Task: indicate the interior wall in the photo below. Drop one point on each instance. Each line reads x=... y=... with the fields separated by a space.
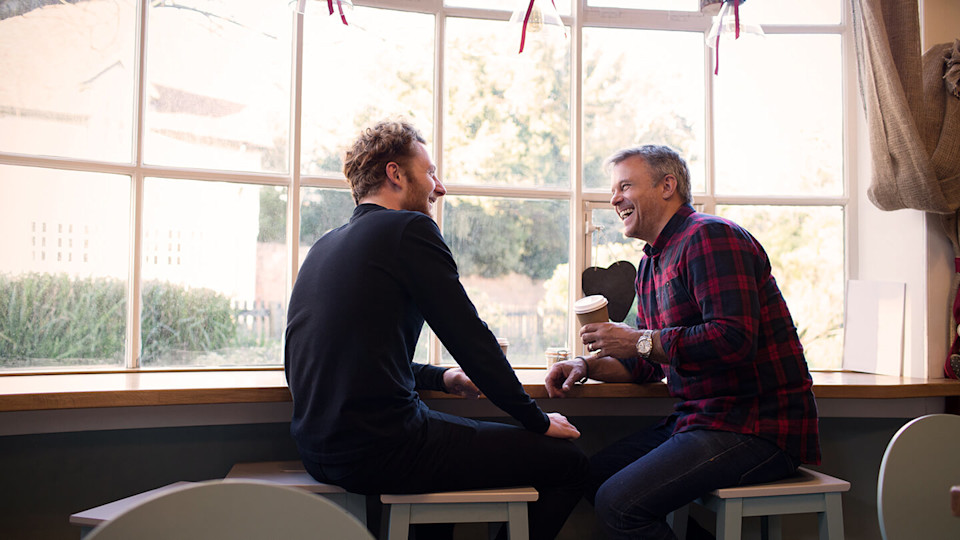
x=940 y=23
x=47 y=477
x=910 y=246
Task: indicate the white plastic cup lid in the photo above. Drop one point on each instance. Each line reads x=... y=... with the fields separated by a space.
x=590 y=303
x=503 y=341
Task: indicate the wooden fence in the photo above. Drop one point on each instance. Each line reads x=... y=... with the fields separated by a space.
x=260 y=321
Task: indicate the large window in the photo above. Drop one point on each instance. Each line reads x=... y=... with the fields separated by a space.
x=165 y=166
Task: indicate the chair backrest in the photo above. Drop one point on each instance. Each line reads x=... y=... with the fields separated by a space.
x=236 y=510
x=918 y=469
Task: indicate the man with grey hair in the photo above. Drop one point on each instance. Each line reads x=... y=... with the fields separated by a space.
x=712 y=320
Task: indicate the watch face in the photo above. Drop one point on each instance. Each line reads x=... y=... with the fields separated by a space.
x=645 y=344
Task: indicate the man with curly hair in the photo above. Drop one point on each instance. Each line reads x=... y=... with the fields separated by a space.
x=356 y=312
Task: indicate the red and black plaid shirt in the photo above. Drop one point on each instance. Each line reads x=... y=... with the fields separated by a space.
x=736 y=361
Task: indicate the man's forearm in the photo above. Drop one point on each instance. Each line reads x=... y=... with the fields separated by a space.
x=606 y=369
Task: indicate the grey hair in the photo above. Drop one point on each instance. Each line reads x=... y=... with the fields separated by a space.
x=662 y=160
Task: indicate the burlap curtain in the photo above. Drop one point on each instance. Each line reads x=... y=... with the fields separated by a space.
x=912 y=108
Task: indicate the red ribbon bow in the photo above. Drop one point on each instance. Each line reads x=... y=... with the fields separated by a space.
x=736 y=20
x=526 y=19
x=340 y=7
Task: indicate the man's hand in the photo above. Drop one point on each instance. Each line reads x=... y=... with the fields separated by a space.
x=455 y=381
x=562 y=376
x=610 y=339
x=561 y=428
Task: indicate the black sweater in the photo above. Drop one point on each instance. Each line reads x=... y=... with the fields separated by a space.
x=354 y=318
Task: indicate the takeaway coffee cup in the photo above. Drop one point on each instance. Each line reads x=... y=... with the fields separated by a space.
x=591 y=309
x=503 y=344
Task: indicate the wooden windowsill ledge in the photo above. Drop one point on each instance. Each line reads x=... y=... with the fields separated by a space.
x=29 y=392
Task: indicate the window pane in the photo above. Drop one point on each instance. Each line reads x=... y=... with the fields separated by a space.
x=357 y=74
x=63 y=274
x=563 y=6
x=607 y=242
x=213 y=292
x=789 y=12
x=805 y=246
x=507 y=115
x=608 y=245
x=513 y=257
x=671 y=5
x=67 y=83
x=322 y=210
x=779 y=130
x=623 y=105
x=218 y=84
x=421 y=353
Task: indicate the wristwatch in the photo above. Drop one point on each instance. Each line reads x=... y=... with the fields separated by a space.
x=645 y=344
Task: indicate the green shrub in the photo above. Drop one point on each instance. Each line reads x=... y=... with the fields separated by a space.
x=50 y=316
x=177 y=319
x=57 y=320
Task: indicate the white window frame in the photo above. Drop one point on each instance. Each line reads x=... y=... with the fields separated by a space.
x=581 y=200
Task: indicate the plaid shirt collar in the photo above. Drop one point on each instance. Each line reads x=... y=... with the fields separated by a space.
x=669 y=230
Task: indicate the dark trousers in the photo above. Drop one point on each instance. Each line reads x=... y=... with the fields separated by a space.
x=451 y=453
x=637 y=481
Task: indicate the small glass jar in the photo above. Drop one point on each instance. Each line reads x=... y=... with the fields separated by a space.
x=556 y=354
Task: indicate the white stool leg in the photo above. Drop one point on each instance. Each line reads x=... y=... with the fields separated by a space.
x=677 y=520
x=356 y=504
x=518 y=527
x=729 y=519
x=831 y=521
x=398 y=522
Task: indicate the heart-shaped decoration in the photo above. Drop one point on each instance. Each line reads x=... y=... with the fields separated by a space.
x=616 y=283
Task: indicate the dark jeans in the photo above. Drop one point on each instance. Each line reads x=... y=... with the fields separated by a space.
x=637 y=481
x=452 y=453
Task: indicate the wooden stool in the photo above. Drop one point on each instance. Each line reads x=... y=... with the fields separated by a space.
x=479 y=506
x=292 y=474
x=807 y=492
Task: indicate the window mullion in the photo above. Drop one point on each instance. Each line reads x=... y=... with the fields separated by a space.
x=641 y=19
x=434 y=349
x=423 y=6
x=710 y=164
x=293 y=196
x=579 y=213
x=134 y=288
x=851 y=106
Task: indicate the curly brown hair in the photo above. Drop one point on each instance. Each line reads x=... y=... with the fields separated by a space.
x=366 y=160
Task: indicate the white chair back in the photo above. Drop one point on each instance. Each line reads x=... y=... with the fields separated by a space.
x=918 y=469
x=235 y=510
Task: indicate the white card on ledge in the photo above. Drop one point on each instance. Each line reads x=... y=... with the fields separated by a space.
x=873 y=327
